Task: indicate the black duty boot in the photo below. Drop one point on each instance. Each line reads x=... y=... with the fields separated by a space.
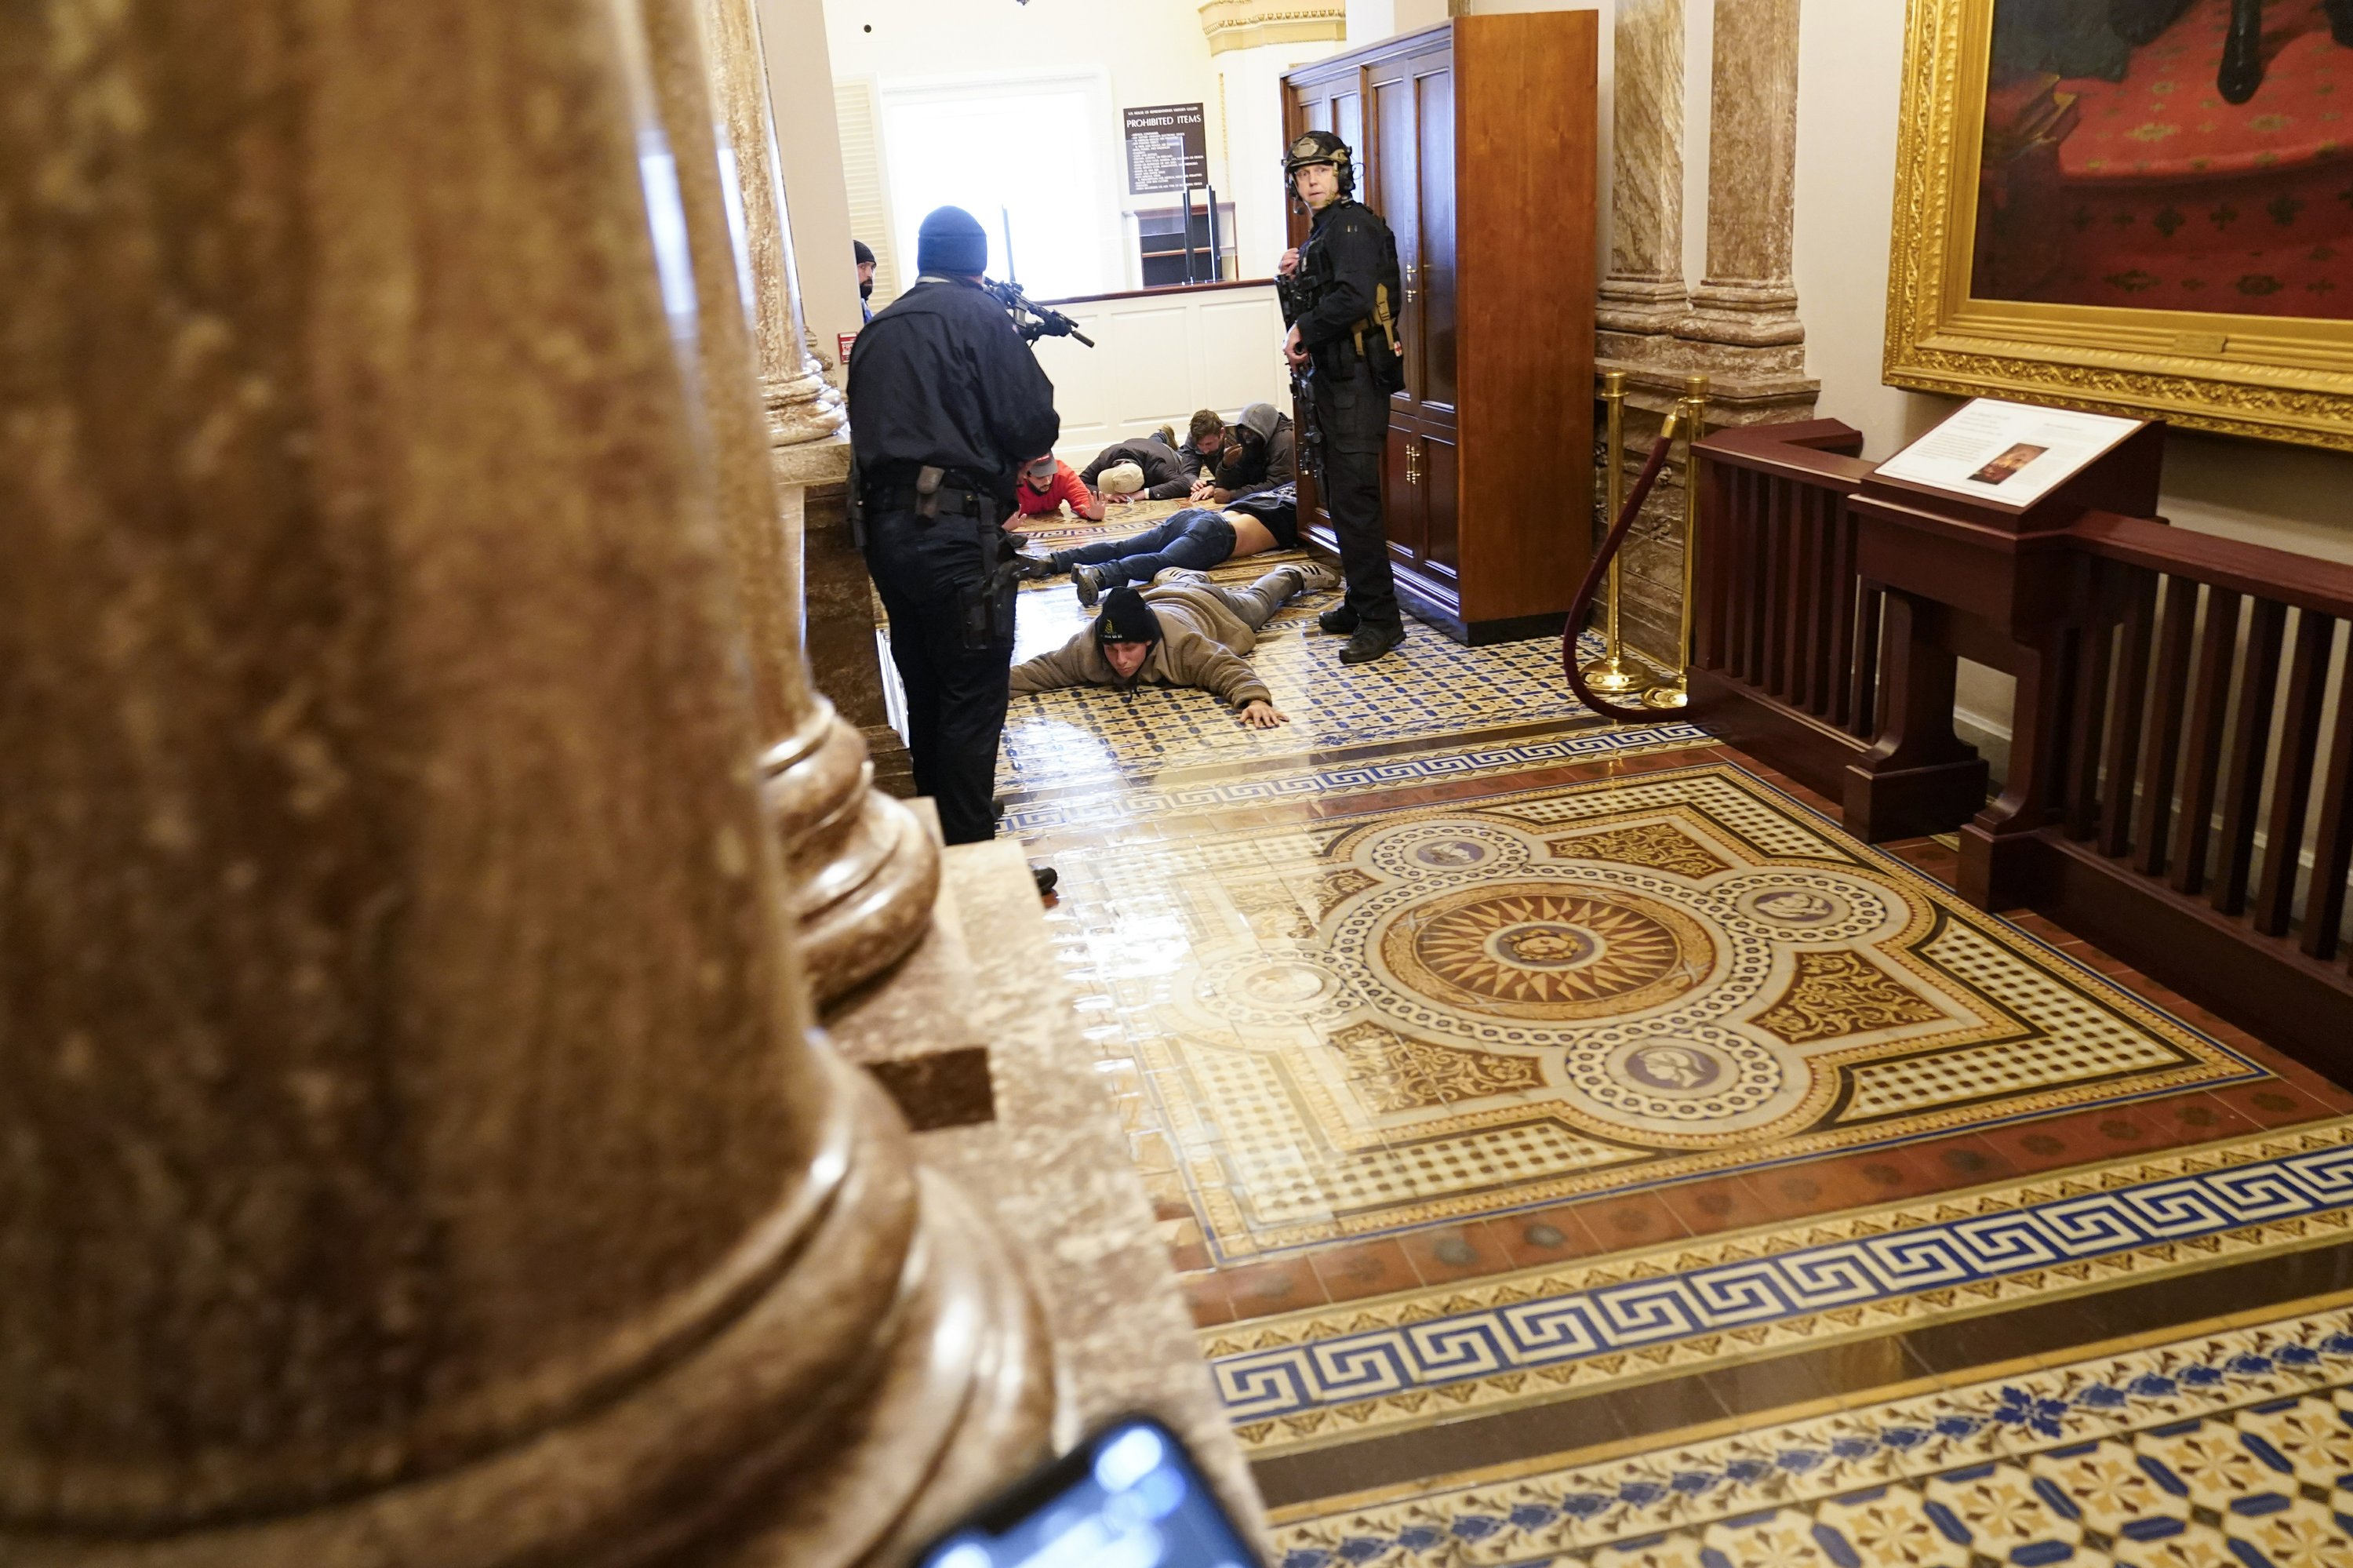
x=1339 y=621
x=1045 y=876
x=1370 y=642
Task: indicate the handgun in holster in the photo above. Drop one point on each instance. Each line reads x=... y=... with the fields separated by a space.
x=986 y=607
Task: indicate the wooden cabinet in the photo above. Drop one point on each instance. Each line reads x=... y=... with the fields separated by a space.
x=1475 y=140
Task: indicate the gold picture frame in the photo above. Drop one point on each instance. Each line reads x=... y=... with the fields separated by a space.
x=2279 y=378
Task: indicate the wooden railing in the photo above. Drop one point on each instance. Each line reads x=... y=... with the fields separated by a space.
x=2180 y=788
x=2197 y=800
x=1784 y=621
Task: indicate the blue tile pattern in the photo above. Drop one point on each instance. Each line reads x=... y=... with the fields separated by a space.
x=1678 y=1305
x=2232 y=1448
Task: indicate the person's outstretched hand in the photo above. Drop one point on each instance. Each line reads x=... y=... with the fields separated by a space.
x=1264 y=716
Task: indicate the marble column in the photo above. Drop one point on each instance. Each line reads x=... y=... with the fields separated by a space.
x=415 y=1148
x=1642 y=298
x=1748 y=301
x=863 y=873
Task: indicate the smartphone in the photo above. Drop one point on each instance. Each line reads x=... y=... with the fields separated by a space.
x=1128 y=1497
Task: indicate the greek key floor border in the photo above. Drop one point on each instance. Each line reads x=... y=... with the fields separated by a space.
x=1303 y=778
x=1339 y=1375
x=2200 y=1436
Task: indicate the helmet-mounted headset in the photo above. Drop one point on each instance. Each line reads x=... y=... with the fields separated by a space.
x=1320 y=147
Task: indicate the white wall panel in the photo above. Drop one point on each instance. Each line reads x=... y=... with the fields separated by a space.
x=1158 y=359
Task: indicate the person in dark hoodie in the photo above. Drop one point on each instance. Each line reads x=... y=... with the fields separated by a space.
x=1184 y=630
x=1194 y=539
x=1262 y=456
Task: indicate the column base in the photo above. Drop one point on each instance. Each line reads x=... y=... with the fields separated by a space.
x=860 y=874
x=1761 y=318
x=889 y=1372
x=1637 y=308
x=808 y=407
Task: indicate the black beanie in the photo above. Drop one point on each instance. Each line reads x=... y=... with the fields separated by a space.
x=952 y=241
x=865 y=257
x=1126 y=618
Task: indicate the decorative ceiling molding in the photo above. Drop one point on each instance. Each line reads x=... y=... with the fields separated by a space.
x=1253 y=24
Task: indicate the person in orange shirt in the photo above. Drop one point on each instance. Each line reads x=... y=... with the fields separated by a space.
x=1046 y=482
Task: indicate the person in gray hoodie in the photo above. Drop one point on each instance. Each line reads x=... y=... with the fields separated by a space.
x=1184 y=631
x=1262 y=456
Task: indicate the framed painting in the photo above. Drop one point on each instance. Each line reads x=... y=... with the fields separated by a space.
x=2141 y=206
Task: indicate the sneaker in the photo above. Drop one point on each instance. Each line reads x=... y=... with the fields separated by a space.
x=1030 y=568
x=1045 y=876
x=1088 y=581
x=1314 y=576
x=1339 y=621
x=1370 y=642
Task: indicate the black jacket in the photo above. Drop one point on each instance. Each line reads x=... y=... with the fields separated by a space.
x=1349 y=252
x=1277 y=506
x=1164 y=475
x=941 y=378
x=1264 y=465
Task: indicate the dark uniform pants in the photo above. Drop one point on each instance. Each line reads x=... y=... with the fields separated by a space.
x=956 y=695
x=1354 y=415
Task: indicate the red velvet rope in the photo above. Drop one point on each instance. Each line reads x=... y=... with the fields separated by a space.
x=1582 y=604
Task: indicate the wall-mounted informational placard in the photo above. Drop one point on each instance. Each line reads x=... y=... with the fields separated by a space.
x=1167 y=148
x=2014 y=453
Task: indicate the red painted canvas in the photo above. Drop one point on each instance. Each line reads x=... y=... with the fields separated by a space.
x=2170 y=154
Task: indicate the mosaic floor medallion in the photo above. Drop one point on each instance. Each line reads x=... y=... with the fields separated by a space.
x=1408 y=1017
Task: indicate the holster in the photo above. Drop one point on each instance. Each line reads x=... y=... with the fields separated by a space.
x=985 y=609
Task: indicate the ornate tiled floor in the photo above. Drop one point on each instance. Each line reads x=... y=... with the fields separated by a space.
x=1577 y=1149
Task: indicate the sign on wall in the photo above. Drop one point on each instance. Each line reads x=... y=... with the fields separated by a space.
x=1167 y=148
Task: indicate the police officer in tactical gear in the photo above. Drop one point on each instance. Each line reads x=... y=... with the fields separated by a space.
x=1349 y=270
x=945 y=403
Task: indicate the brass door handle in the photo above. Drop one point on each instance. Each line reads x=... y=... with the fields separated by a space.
x=1413 y=462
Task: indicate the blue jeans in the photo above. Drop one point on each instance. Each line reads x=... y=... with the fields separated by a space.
x=1195 y=539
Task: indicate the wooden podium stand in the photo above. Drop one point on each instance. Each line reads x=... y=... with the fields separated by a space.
x=1979 y=579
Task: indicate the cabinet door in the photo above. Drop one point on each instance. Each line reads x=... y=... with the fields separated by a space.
x=1402 y=499
x=1438 y=480
x=1394 y=193
x=1429 y=277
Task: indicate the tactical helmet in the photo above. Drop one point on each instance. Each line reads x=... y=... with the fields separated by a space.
x=1321 y=147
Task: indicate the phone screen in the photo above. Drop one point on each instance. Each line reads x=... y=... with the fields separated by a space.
x=1130 y=1497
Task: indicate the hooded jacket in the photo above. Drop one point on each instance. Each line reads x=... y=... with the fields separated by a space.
x=1200 y=644
x=1272 y=460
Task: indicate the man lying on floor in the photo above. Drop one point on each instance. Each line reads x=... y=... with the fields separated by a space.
x=1184 y=630
x=1193 y=540
x=1261 y=456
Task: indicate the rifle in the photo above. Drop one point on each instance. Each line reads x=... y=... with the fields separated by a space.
x=1032 y=319
x=1297 y=295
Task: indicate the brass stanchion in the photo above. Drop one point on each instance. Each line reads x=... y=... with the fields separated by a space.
x=1609 y=672
x=1693 y=408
